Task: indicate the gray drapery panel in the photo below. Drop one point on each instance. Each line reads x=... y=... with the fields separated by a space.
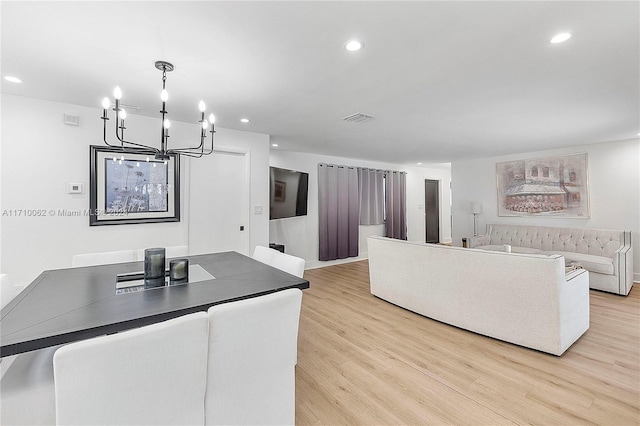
x=396 y=205
x=370 y=186
x=338 y=209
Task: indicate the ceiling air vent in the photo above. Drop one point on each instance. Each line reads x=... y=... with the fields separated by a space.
x=131 y=108
x=358 y=118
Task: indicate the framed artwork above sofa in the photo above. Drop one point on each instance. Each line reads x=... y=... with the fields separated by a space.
x=550 y=187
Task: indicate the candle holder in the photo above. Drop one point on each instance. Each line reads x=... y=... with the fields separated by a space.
x=154 y=267
x=178 y=271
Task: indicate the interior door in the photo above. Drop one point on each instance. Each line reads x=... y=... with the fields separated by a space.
x=218 y=203
x=432 y=211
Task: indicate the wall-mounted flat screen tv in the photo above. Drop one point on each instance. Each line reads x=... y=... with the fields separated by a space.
x=288 y=193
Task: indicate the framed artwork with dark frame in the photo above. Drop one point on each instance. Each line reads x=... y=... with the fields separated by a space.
x=128 y=187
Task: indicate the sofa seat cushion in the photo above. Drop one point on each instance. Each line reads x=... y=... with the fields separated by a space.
x=514 y=249
x=599 y=264
x=592 y=263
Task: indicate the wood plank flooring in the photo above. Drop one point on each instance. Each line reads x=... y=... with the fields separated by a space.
x=364 y=361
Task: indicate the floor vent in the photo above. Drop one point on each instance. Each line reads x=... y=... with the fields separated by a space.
x=358 y=118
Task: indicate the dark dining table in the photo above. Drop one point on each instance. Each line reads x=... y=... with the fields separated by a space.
x=67 y=305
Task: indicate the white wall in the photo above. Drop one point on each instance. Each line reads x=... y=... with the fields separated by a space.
x=40 y=155
x=300 y=234
x=614 y=189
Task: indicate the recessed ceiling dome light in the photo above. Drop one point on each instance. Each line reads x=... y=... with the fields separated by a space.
x=559 y=38
x=275 y=145
x=13 y=79
x=354 y=45
x=244 y=120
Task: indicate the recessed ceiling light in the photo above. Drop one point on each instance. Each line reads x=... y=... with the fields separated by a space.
x=559 y=38
x=275 y=145
x=419 y=164
x=244 y=120
x=12 y=79
x=354 y=45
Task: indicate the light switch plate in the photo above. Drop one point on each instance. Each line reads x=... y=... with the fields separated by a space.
x=75 y=188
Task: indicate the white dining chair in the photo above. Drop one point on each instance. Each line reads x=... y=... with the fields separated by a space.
x=171 y=251
x=7 y=290
x=103 y=258
x=26 y=380
x=151 y=375
x=253 y=347
x=27 y=394
x=285 y=262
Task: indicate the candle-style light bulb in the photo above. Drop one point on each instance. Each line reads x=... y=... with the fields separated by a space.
x=202 y=106
x=122 y=114
x=166 y=123
x=117 y=93
x=205 y=124
x=212 y=118
x=164 y=95
x=106 y=103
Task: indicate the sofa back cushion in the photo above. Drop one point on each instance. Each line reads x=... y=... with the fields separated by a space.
x=596 y=242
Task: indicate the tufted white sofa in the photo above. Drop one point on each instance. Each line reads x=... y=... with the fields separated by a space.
x=606 y=254
x=526 y=299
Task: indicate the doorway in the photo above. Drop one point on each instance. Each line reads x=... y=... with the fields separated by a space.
x=219 y=204
x=432 y=210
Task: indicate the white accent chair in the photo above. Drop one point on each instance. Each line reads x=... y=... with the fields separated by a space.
x=104 y=258
x=7 y=290
x=252 y=356
x=150 y=375
x=285 y=262
x=170 y=252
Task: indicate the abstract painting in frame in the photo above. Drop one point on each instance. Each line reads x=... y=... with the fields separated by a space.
x=547 y=187
x=132 y=187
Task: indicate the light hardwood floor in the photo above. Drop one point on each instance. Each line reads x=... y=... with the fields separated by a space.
x=364 y=361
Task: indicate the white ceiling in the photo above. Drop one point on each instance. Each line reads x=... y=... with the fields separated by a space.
x=444 y=81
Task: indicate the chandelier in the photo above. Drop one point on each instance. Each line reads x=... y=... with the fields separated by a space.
x=164 y=152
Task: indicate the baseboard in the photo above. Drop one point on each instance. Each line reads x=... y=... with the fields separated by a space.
x=322 y=263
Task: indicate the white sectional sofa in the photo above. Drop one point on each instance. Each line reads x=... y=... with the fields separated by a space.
x=606 y=254
x=526 y=299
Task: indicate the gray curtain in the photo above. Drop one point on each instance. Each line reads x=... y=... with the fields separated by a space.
x=370 y=185
x=396 y=205
x=338 y=208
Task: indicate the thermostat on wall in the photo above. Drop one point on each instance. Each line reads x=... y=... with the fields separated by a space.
x=75 y=188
